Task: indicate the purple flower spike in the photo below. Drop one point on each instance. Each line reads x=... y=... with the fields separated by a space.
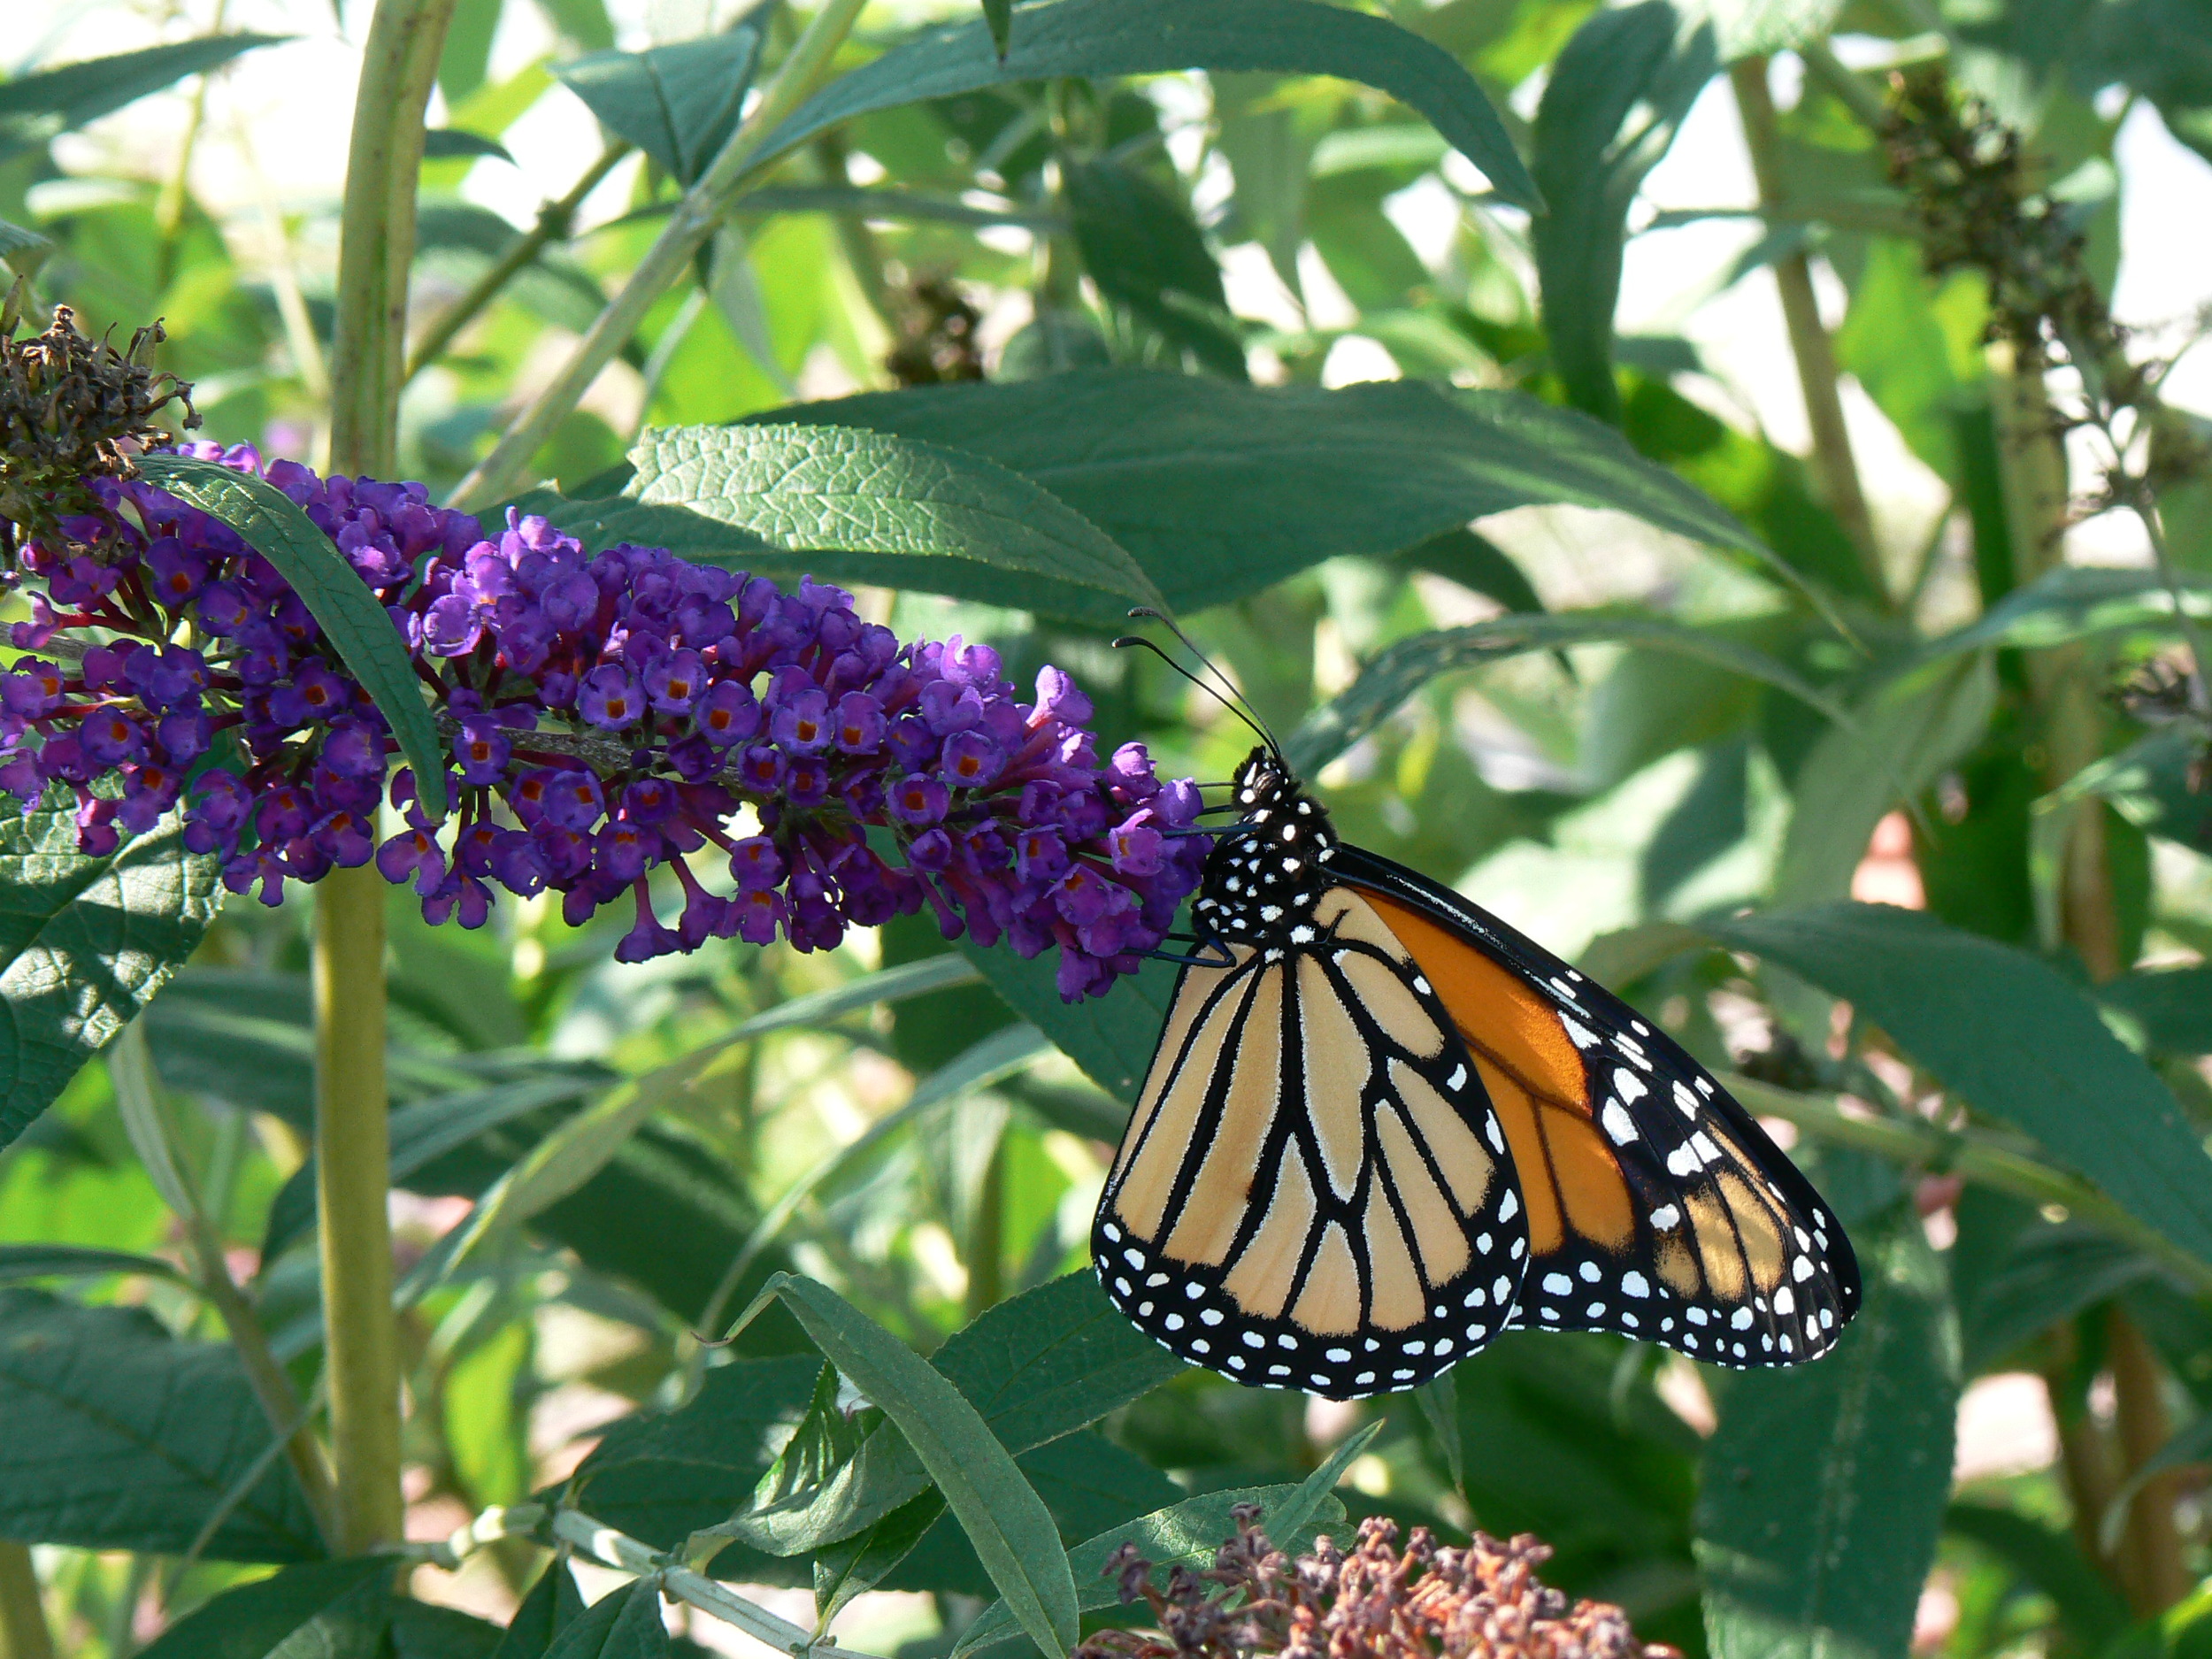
x=625 y=709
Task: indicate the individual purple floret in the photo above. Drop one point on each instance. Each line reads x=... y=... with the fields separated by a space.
x=604 y=716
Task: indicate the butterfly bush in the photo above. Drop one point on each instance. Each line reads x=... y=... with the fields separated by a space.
x=609 y=715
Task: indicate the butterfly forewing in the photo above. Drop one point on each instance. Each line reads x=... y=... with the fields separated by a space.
x=1655 y=1205
x=1313 y=1191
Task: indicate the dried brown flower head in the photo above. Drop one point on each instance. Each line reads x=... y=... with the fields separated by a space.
x=1484 y=1602
x=73 y=408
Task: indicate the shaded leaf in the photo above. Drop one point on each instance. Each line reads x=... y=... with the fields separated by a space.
x=1110 y=1037
x=553 y=1604
x=2173 y=1005
x=1610 y=110
x=257 y=1620
x=623 y=1625
x=2090 y=1610
x=348 y=612
x=1144 y=250
x=2006 y=1034
x=446 y=143
x=2050 y=1274
x=119 y=1438
x=24 y=250
x=19 y=1262
x=1823 y=1486
x=1098 y=38
x=679 y=103
x=85 y=943
x=1476 y=563
x=803 y=488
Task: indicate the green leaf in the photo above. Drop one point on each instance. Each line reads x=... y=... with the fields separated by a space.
x=1823 y=1487
x=1918 y=725
x=333 y=592
x=34 y=107
x=119 y=1438
x=553 y=1604
x=1189 y=1534
x=259 y=1620
x=663 y=1476
x=1220 y=489
x=1477 y=563
x=24 y=250
x=2148 y=784
x=1110 y=1037
x=679 y=103
x=803 y=488
x=1750 y=28
x=1403 y=667
x=1003 y=1517
x=1616 y=96
x=623 y=1625
x=998 y=15
x=85 y=943
x=423 y=1631
x=2173 y=1006
x=1038 y=1366
x=445 y=143
x=2049 y=1274
x=20 y=1262
x=1100 y=38
x=1144 y=250
x=2002 y=1031
x=2079 y=602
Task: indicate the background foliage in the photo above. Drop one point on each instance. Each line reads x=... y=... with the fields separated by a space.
x=1544 y=612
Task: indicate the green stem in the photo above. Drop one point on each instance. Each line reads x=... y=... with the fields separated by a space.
x=23 y=1631
x=376 y=251
x=1819 y=379
x=555 y=219
x=703 y=207
x=1974 y=1157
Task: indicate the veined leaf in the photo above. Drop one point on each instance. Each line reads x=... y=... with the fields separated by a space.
x=85 y=943
x=2075 y=601
x=1003 y=1517
x=2006 y=1034
x=1400 y=670
x=804 y=487
x=679 y=103
x=2173 y=1006
x=1823 y=1486
x=1098 y=38
x=119 y=1438
x=1221 y=490
x=330 y=587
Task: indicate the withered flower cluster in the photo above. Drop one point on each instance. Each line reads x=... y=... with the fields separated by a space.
x=1376 y=1602
x=72 y=410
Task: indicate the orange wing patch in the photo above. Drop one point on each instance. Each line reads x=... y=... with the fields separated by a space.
x=1570 y=1179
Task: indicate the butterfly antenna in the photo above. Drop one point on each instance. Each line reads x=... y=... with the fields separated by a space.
x=1228 y=695
x=1137 y=639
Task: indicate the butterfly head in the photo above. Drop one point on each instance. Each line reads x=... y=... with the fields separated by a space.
x=1266 y=873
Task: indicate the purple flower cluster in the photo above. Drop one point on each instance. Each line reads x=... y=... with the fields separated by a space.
x=609 y=716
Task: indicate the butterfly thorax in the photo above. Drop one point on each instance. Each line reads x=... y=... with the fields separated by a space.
x=1264 y=875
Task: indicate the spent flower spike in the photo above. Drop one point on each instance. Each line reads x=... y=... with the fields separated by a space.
x=609 y=716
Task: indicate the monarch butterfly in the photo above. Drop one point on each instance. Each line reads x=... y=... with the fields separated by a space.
x=1381 y=1127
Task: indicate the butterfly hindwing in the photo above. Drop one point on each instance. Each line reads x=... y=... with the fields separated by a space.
x=1656 y=1207
x=1313 y=1191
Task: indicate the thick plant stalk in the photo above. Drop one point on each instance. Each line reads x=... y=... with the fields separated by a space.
x=2153 y=1566
x=23 y=1631
x=1834 y=466
x=703 y=207
x=353 y=1138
